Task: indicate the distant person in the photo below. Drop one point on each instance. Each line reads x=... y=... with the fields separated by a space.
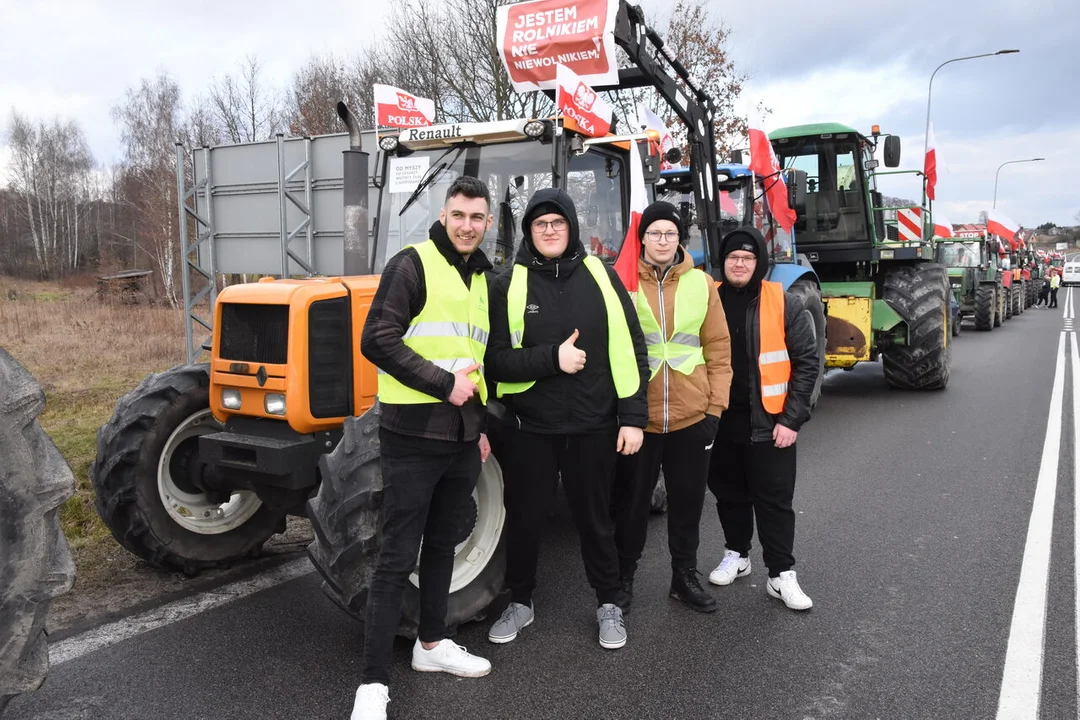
x=431 y=433
x=1044 y=293
x=776 y=363
x=690 y=364
x=569 y=358
x=1055 y=283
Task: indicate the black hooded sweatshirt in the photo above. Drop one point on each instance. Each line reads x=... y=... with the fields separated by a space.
x=741 y=308
x=562 y=296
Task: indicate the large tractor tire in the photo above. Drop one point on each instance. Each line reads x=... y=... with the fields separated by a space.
x=999 y=305
x=145 y=456
x=1008 y=302
x=809 y=293
x=984 y=307
x=1017 y=299
x=920 y=295
x=346 y=518
x=35 y=562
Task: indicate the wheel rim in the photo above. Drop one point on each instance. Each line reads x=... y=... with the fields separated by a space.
x=195 y=511
x=475 y=552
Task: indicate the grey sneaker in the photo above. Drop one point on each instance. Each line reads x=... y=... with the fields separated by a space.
x=612 y=629
x=514 y=619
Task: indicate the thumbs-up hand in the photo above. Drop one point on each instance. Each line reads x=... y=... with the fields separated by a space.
x=571 y=359
x=464 y=388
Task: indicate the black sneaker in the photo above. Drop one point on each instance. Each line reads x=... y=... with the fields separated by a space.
x=686 y=587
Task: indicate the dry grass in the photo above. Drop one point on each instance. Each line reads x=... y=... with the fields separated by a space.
x=85 y=355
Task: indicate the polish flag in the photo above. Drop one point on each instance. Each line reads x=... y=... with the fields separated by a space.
x=396 y=108
x=942 y=227
x=1003 y=226
x=763 y=162
x=728 y=205
x=626 y=265
x=930 y=163
x=651 y=121
x=580 y=102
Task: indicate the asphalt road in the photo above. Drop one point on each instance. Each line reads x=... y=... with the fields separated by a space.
x=912 y=532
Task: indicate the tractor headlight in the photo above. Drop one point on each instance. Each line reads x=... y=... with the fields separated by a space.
x=274 y=404
x=388 y=143
x=230 y=398
x=536 y=128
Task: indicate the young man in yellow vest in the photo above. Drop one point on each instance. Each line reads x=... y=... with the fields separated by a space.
x=774 y=356
x=567 y=353
x=427 y=332
x=690 y=373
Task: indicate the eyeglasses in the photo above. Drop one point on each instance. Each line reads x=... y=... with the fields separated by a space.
x=667 y=237
x=558 y=225
x=740 y=259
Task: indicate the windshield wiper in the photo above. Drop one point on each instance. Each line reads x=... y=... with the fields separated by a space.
x=429 y=177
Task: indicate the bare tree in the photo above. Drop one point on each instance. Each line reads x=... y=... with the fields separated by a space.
x=311 y=101
x=243 y=107
x=149 y=120
x=51 y=167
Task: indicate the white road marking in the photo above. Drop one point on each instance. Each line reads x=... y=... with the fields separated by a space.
x=1021 y=682
x=106 y=635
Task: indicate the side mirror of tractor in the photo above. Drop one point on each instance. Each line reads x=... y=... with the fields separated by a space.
x=796 y=183
x=892 y=151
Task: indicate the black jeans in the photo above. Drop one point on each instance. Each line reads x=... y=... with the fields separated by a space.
x=426 y=485
x=1053 y=297
x=684 y=457
x=755 y=479
x=533 y=465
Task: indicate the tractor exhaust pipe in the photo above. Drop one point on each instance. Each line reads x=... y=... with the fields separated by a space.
x=355 y=191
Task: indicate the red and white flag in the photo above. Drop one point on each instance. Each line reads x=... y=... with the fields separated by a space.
x=651 y=121
x=580 y=102
x=1002 y=225
x=626 y=265
x=763 y=162
x=728 y=206
x=930 y=162
x=942 y=227
x=396 y=108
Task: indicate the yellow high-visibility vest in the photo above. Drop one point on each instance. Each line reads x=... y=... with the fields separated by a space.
x=681 y=352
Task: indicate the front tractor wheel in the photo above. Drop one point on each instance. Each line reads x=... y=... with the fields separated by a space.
x=346 y=518
x=985 y=302
x=144 y=478
x=921 y=296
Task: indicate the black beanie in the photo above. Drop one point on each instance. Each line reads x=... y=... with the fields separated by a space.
x=747 y=239
x=542 y=208
x=660 y=210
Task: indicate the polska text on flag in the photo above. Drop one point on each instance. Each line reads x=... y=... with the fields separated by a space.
x=581 y=103
x=396 y=108
x=763 y=162
x=626 y=265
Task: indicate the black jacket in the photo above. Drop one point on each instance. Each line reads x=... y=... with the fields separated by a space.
x=562 y=297
x=401 y=296
x=802 y=349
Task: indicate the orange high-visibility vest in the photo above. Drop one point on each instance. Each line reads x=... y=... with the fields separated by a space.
x=773 y=363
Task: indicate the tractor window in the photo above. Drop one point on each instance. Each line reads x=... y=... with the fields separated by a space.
x=835 y=197
x=595 y=182
x=959 y=254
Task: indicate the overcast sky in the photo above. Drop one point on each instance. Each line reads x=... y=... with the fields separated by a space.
x=839 y=60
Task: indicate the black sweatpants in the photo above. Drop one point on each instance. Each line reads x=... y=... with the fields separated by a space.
x=754 y=479
x=426 y=484
x=531 y=469
x=1053 y=297
x=684 y=457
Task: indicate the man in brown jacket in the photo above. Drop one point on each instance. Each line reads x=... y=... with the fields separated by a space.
x=690 y=375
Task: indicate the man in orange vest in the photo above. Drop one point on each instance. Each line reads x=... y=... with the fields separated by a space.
x=775 y=363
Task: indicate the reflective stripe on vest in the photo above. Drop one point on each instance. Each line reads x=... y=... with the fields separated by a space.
x=451 y=331
x=621 y=356
x=682 y=352
x=773 y=362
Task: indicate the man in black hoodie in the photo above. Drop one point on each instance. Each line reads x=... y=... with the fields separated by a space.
x=425 y=332
x=569 y=358
x=775 y=362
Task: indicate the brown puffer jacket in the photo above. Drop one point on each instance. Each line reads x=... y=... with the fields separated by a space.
x=676 y=400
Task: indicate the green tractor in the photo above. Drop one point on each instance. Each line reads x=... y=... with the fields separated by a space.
x=976 y=283
x=884 y=295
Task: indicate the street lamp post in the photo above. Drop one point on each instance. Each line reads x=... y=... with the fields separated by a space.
x=1008 y=162
x=926 y=142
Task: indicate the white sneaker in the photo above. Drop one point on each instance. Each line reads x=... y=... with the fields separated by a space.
x=448 y=657
x=786 y=588
x=732 y=566
x=370 y=704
